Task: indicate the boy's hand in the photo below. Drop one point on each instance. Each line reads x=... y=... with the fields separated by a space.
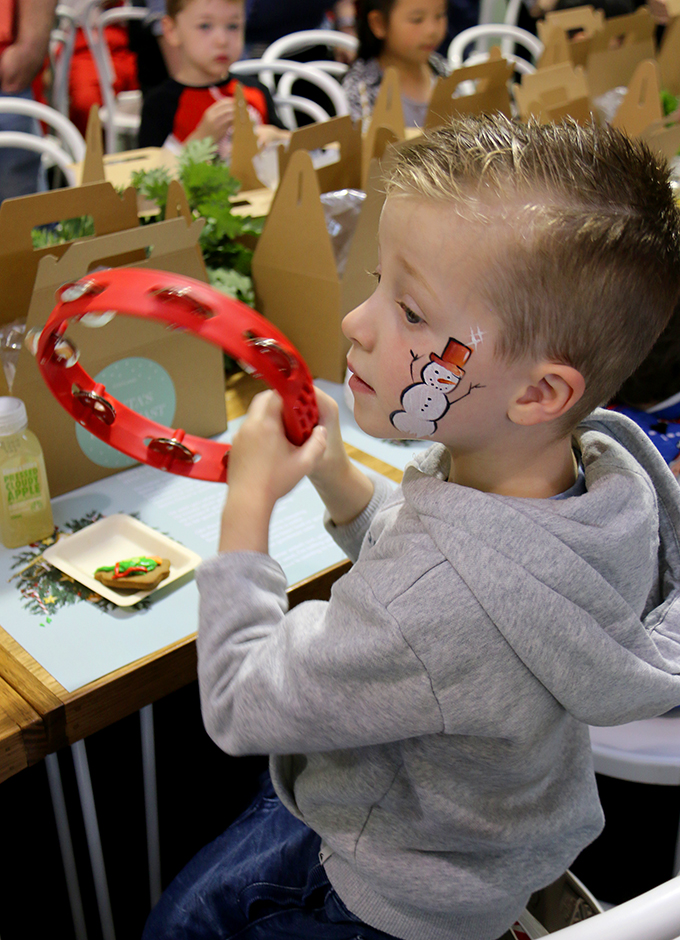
x=263 y=467
x=269 y=134
x=217 y=120
x=334 y=461
x=345 y=490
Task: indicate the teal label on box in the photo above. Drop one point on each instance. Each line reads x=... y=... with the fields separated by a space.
x=142 y=385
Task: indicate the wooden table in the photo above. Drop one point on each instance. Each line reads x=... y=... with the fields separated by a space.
x=22 y=733
x=41 y=716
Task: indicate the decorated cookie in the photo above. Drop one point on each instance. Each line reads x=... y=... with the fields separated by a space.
x=142 y=573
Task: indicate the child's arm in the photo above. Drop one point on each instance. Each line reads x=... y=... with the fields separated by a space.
x=343 y=487
x=263 y=467
x=270 y=134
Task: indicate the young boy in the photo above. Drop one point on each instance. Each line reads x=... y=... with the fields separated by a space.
x=198 y=101
x=428 y=726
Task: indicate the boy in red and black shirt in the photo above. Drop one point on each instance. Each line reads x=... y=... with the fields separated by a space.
x=199 y=101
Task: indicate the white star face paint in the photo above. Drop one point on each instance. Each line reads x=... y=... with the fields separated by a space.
x=476 y=337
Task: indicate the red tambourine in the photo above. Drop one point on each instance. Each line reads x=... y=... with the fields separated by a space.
x=196 y=308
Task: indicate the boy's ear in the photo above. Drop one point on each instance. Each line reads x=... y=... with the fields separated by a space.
x=553 y=389
x=376 y=24
x=169 y=31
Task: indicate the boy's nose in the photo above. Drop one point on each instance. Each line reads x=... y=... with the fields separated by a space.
x=356 y=325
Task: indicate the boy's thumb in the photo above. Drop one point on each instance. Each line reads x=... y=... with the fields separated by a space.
x=315 y=445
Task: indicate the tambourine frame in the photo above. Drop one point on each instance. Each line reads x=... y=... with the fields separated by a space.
x=180 y=303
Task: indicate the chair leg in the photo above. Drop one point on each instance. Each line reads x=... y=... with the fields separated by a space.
x=93 y=839
x=66 y=846
x=151 y=803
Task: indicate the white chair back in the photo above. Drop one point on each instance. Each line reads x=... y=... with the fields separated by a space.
x=42 y=145
x=69 y=138
x=508 y=34
x=308 y=39
x=266 y=69
x=654 y=915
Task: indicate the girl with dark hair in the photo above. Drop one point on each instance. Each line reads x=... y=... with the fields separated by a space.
x=404 y=34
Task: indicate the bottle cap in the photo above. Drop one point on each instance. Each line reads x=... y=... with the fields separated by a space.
x=13 y=416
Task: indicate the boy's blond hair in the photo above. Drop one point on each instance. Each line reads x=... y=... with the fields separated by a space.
x=173 y=7
x=588 y=269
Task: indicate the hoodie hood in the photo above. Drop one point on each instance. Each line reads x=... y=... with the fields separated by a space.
x=585 y=589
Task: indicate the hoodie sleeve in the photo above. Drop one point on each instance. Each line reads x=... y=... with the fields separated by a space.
x=325 y=675
x=350 y=537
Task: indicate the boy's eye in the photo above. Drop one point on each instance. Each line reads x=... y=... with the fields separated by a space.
x=411 y=315
x=376 y=275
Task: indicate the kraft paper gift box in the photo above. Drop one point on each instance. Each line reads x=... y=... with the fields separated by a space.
x=556 y=32
x=340 y=133
x=617 y=49
x=551 y=94
x=642 y=103
x=490 y=93
x=297 y=284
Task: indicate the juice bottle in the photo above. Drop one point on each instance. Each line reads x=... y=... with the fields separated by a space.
x=25 y=511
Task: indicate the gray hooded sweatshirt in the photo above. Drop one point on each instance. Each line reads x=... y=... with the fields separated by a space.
x=430 y=720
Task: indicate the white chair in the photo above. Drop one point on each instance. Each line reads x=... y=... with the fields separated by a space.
x=69 y=137
x=643 y=752
x=309 y=39
x=654 y=915
x=479 y=36
x=60 y=51
x=43 y=145
x=299 y=42
x=120 y=114
x=285 y=101
x=63 y=147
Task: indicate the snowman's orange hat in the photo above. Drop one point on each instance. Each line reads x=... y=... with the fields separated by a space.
x=454 y=357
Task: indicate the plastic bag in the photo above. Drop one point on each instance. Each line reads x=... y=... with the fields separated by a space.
x=341 y=209
x=11 y=340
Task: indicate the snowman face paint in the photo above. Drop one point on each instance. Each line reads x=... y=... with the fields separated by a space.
x=424 y=403
x=422 y=346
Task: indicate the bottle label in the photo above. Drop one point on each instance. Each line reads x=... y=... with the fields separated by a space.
x=22 y=490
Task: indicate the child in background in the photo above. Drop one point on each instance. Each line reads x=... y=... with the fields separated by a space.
x=428 y=726
x=198 y=101
x=403 y=34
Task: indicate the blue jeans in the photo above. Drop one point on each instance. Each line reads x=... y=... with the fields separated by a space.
x=259 y=880
x=21 y=170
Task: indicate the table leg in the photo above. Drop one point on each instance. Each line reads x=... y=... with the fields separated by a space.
x=66 y=845
x=93 y=839
x=151 y=803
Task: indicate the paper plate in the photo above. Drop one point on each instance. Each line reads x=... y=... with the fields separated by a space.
x=110 y=540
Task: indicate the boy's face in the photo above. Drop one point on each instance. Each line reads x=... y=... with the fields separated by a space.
x=414 y=29
x=423 y=344
x=209 y=35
